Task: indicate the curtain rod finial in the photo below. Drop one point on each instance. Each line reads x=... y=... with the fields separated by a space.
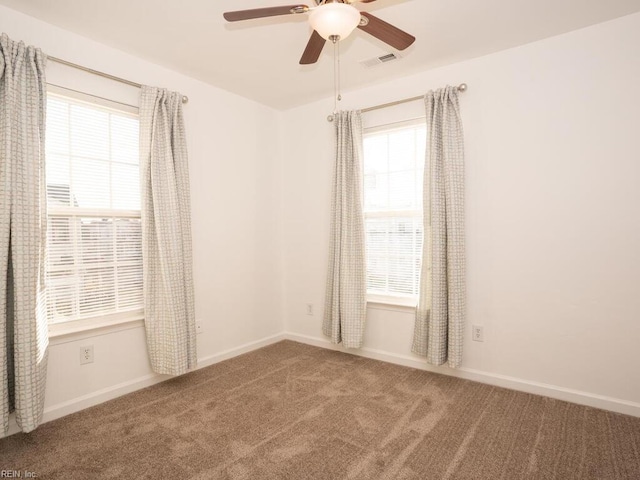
x=185 y=99
x=462 y=87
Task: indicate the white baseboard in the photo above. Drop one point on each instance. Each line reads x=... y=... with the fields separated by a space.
x=95 y=398
x=234 y=352
x=552 y=391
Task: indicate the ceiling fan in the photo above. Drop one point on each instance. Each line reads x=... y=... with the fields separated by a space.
x=331 y=20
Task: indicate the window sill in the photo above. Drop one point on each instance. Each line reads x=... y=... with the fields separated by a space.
x=78 y=330
x=396 y=304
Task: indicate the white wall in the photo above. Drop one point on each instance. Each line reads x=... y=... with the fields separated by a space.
x=553 y=211
x=553 y=216
x=234 y=160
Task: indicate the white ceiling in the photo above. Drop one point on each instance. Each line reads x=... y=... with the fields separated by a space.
x=258 y=59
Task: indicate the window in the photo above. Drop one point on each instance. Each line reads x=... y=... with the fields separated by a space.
x=393 y=185
x=94 y=258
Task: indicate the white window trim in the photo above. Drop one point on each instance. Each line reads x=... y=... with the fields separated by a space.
x=389 y=127
x=93 y=326
x=393 y=303
x=57 y=90
x=63 y=332
x=401 y=303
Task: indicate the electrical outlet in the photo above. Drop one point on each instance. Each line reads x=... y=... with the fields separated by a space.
x=86 y=354
x=310 y=309
x=477 y=333
x=199 y=327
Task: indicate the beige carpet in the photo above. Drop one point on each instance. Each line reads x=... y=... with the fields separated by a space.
x=291 y=411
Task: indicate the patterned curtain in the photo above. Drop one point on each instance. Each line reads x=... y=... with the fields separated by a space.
x=440 y=315
x=345 y=302
x=23 y=226
x=166 y=233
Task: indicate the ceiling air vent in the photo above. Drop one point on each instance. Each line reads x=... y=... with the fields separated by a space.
x=389 y=57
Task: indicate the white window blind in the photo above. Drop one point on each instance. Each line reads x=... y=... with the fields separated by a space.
x=393 y=185
x=94 y=256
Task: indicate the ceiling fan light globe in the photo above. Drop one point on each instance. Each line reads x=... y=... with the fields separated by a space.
x=334 y=19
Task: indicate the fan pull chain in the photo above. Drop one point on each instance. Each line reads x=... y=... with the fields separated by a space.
x=335 y=78
x=337 y=88
x=339 y=71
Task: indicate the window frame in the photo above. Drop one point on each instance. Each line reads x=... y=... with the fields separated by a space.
x=110 y=321
x=402 y=303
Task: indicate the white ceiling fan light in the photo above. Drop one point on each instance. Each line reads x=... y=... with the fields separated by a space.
x=333 y=20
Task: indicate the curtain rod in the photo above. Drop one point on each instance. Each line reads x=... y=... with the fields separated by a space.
x=461 y=88
x=185 y=99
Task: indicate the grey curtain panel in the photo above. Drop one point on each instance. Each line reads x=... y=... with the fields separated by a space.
x=440 y=316
x=166 y=233
x=23 y=226
x=345 y=301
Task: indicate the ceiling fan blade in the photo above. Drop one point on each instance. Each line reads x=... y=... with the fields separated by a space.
x=386 y=32
x=313 y=50
x=264 y=12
